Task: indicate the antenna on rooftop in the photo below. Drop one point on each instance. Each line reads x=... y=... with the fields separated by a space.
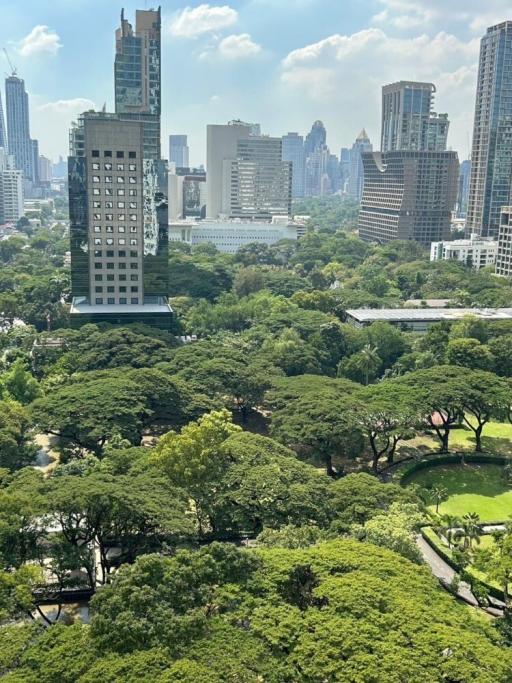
x=14 y=71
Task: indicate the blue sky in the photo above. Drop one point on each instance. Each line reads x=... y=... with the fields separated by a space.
x=283 y=63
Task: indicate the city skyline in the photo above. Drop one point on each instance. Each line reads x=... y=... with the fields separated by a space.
x=285 y=66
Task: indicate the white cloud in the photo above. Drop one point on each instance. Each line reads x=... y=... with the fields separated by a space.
x=51 y=121
x=475 y=14
x=194 y=21
x=238 y=47
x=345 y=73
x=41 y=40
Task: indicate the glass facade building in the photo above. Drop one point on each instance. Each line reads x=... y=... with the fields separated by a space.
x=18 y=126
x=491 y=157
x=294 y=152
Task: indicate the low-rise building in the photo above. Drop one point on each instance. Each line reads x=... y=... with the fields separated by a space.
x=420 y=319
x=476 y=252
x=229 y=236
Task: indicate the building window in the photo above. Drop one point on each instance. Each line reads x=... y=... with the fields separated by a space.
x=133 y=241
x=121 y=192
x=120 y=167
x=121 y=217
x=109 y=216
x=121 y=228
x=107 y=153
x=109 y=205
x=96 y=205
x=99 y=300
x=97 y=228
x=96 y=167
x=122 y=241
x=122 y=300
x=95 y=153
x=96 y=191
x=133 y=180
x=133 y=254
x=122 y=254
x=108 y=166
x=133 y=228
x=120 y=155
x=132 y=167
x=133 y=205
x=134 y=300
x=120 y=205
x=111 y=300
x=97 y=216
x=109 y=228
x=134 y=289
x=133 y=216
x=97 y=240
x=122 y=277
x=122 y=266
x=122 y=288
x=98 y=253
x=132 y=155
x=108 y=192
x=98 y=278
x=110 y=253
x=132 y=193
x=110 y=266
x=110 y=278
x=108 y=178
x=98 y=290
x=97 y=266
x=120 y=179
x=133 y=266
x=111 y=289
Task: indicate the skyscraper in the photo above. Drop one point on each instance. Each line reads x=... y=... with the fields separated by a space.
x=361 y=146
x=11 y=189
x=293 y=151
x=18 y=127
x=137 y=73
x=316 y=138
x=178 y=151
x=463 y=194
x=408 y=122
x=118 y=193
x=408 y=196
x=491 y=157
x=344 y=168
x=3 y=132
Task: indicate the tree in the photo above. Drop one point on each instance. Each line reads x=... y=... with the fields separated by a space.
x=194 y=460
x=362 y=366
x=469 y=353
x=501 y=350
x=396 y=529
x=248 y=281
x=486 y=396
x=438 y=494
x=19 y=383
x=16 y=447
x=469 y=530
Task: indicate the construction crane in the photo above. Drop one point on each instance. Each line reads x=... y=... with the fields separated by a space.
x=13 y=68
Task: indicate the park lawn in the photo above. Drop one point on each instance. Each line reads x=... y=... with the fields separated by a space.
x=470 y=488
x=497 y=438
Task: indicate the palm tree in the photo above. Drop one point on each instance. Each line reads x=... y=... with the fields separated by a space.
x=368 y=361
x=438 y=494
x=450 y=525
x=469 y=530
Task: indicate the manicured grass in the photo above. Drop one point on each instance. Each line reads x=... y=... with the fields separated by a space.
x=471 y=488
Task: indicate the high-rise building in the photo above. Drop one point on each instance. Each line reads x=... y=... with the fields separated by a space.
x=11 y=189
x=316 y=138
x=463 y=194
x=45 y=169
x=137 y=72
x=3 y=132
x=187 y=193
x=18 y=126
x=118 y=193
x=408 y=122
x=408 y=196
x=317 y=182
x=491 y=157
x=178 y=151
x=293 y=151
x=257 y=183
x=34 y=146
x=344 y=168
x=504 y=255
x=355 y=183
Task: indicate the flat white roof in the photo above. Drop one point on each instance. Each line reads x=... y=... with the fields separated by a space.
x=412 y=314
x=119 y=308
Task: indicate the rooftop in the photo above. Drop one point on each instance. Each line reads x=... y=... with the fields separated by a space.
x=406 y=314
x=82 y=307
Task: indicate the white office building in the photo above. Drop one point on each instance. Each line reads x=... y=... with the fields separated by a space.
x=228 y=236
x=11 y=190
x=476 y=252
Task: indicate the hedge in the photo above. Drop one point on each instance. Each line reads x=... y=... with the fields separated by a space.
x=453 y=459
x=430 y=536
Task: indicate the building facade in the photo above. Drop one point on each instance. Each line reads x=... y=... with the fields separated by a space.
x=491 y=156
x=476 y=252
x=408 y=196
x=229 y=236
x=18 y=126
x=178 y=151
x=137 y=74
x=355 y=181
x=463 y=193
x=187 y=194
x=294 y=152
x=408 y=122
x=504 y=255
x=3 y=132
x=11 y=190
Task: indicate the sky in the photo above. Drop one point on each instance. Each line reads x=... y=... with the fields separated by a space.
x=281 y=63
